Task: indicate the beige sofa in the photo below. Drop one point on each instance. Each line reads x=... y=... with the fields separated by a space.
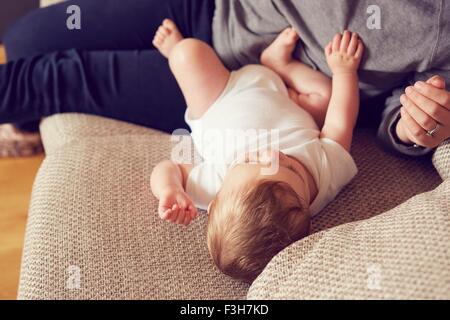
x=93 y=232
x=92 y=211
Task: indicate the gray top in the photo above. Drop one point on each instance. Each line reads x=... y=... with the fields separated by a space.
x=409 y=42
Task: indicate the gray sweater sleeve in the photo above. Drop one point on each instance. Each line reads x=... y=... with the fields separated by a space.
x=387 y=130
x=411 y=44
x=391 y=115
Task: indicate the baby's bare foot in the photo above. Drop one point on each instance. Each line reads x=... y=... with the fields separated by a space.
x=280 y=51
x=167 y=37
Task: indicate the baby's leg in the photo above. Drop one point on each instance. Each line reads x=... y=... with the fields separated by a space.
x=313 y=86
x=200 y=74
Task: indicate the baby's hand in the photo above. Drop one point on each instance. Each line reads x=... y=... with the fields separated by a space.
x=176 y=206
x=344 y=53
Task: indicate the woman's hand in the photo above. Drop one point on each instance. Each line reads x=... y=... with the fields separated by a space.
x=425 y=115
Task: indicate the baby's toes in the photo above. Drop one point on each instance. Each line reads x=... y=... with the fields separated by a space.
x=162 y=31
x=157 y=41
x=289 y=36
x=287 y=31
x=292 y=36
x=169 y=24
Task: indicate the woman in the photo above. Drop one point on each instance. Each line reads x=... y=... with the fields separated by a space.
x=116 y=72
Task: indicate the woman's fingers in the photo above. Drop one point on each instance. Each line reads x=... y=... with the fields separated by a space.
x=434 y=110
x=423 y=119
x=414 y=131
x=438 y=95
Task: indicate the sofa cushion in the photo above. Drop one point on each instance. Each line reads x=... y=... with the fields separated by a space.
x=92 y=209
x=93 y=231
x=400 y=254
x=441 y=160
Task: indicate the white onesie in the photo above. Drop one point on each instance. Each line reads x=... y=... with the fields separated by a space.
x=256 y=102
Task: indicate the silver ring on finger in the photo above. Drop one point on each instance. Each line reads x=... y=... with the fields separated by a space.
x=433 y=132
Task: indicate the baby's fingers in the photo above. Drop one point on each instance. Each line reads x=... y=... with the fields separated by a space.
x=187 y=218
x=353 y=46
x=346 y=38
x=329 y=49
x=181 y=216
x=337 y=42
x=164 y=214
x=193 y=211
x=173 y=216
x=360 y=51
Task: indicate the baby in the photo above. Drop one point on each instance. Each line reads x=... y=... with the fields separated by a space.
x=254 y=215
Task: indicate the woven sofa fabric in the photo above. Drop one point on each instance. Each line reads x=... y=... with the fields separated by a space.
x=92 y=211
x=93 y=231
x=62 y=129
x=441 y=160
x=401 y=254
x=384 y=181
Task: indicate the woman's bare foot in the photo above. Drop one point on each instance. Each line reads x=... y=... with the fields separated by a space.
x=280 y=51
x=16 y=143
x=167 y=37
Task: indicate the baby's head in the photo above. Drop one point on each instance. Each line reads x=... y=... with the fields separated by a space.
x=254 y=217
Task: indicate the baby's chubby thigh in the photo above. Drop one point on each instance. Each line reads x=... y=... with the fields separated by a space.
x=200 y=74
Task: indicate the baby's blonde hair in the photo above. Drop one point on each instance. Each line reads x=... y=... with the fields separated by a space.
x=247 y=228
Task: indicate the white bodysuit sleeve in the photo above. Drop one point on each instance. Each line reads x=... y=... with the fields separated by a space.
x=337 y=170
x=203 y=183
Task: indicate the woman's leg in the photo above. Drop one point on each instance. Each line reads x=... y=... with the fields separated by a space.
x=133 y=86
x=125 y=25
x=106 y=25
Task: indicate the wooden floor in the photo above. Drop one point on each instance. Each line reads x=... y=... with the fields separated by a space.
x=16 y=180
x=2 y=54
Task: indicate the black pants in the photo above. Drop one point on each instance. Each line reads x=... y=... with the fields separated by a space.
x=108 y=68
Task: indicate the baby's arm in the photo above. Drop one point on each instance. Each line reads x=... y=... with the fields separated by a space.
x=344 y=55
x=309 y=88
x=168 y=183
